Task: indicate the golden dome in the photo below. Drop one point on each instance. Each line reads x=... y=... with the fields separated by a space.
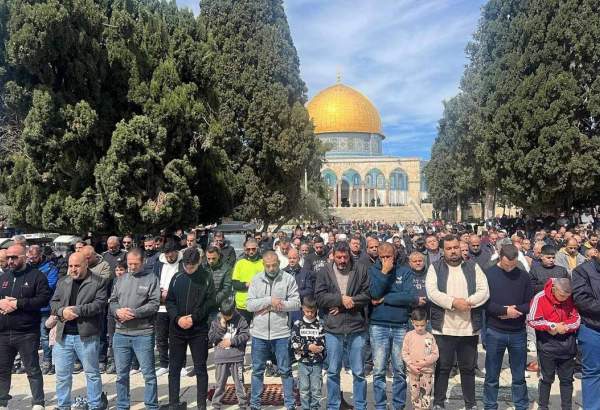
x=340 y=108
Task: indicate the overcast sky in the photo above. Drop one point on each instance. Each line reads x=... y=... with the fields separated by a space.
x=405 y=55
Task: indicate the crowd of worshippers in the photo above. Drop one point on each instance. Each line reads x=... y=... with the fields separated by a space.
x=409 y=305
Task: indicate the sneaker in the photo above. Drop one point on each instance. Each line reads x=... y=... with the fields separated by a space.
x=77 y=368
x=479 y=373
x=531 y=347
x=103 y=401
x=111 y=369
x=162 y=371
x=80 y=403
x=183 y=371
x=134 y=371
x=191 y=372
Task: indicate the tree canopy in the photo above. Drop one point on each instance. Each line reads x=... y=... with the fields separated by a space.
x=532 y=107
x=135 y=115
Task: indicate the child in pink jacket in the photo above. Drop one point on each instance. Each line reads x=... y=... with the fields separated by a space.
x=420 y=352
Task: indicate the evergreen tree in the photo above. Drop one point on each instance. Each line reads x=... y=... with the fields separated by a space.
x=264 y=128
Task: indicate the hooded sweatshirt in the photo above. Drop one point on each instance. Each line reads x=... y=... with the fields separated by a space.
x=165 y=272
x=236 y=330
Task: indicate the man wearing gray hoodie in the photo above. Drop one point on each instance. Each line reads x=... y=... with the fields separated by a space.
x=271 y=295
x=134 y=303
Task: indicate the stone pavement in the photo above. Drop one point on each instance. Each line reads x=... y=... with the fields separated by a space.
x=21 y=397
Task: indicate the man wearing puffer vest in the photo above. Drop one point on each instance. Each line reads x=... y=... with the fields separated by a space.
x=271 y=296
x=392 y=293
x=457 y=290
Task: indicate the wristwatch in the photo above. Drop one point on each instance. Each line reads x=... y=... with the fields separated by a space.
x=553 y=326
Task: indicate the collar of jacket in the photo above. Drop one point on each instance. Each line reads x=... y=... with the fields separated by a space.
x=69 y=278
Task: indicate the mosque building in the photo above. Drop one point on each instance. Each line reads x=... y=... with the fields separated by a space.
x=363 y=182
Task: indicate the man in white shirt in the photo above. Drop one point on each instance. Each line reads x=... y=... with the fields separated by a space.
x=457 y=290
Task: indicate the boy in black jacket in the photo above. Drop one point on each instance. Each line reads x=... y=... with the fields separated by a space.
x=229 y=333
x=190 y=299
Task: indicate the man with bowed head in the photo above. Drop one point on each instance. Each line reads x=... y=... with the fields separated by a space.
x=79 y=302
x=457 y=290
x=342 y=290
x=271 y=295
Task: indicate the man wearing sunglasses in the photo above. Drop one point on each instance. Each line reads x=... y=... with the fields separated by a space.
x=243 y=272
x=23 y=292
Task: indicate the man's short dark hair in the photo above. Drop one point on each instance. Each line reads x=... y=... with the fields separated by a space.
x=548 y=250
x=448 y=238
x=318 y=239
x=227 y=307
x=509 y=252
x=218 y=234
x=342 y=247
x=309 y=302
x=213 y=249
x=170 y=246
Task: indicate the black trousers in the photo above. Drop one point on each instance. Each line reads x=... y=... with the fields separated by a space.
x=27 y=345
x=464 y=349
x=162 y=338
x=549 y=367
x=178 y=345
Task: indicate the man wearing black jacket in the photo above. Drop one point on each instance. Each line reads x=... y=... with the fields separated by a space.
x=342 y=291
x=586 y=295
x=190 y=300
x=23 y=292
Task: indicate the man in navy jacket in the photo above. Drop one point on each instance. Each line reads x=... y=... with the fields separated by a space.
x=392 y=292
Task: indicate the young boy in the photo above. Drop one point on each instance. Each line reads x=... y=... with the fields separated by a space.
x=420 y=352
x=229 y=334
x=308 y=343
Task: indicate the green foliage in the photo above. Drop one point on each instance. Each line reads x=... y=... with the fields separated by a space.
x=134 y=115
x=532 y=82
x=263 y=126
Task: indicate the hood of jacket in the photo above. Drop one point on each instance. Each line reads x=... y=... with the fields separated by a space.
x=163 y=258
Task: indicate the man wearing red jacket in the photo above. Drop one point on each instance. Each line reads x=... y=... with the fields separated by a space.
x=555 y=319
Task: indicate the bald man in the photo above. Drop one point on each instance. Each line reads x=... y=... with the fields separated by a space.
x=96 y=263
x=23 y=292
x=569 y=256
x=272 y=294
x=79 y=301
x=304 y=280
x=114 y=255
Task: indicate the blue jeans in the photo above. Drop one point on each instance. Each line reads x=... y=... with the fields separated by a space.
x=386 y=342
x=497 y=343
x=335 y=353
x=44 y=341
x=589 y=340
x=65 y=353
x=310 y=383
x=262 y=351
x=125 y=347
